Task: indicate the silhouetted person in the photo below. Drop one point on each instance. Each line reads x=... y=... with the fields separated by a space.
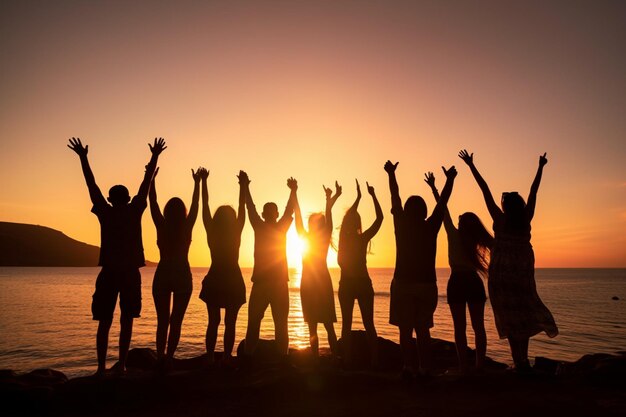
x=316 y=287
x=414 y=284
x=518 y=311
x=355 y=282
x=468 y=256
x=223 y=286
x=121 y=253
x=172 y=283
x=270 y=277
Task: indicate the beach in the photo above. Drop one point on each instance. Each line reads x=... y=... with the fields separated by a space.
x=594 y=385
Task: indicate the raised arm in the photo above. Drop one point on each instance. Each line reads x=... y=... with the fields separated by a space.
x=492 y=207
x=330 y=202
x=293 y=186
x=355 y=205
x=193 y=209
x=94 y=191
x=373 y=229
x=253 y=215
x=155 y=210
x=447 y=220
x=156 y=149
x=532 y=196
x=299 y=223
x=244 y=182
x=438 y=212
x=206 y=212
x=396 y=202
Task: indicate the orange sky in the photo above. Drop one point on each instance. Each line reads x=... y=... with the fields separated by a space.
x=320 y=91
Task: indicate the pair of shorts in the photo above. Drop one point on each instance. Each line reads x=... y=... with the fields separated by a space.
x=269 y=294
x=412 y=304
x=172 y=277
x=113 y=281
x=465 y=287
x=350 y=290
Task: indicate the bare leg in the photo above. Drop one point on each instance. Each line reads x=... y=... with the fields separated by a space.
x=211 y=332
x=460 y=339
x=366 y=305
x=181 y=301
x=423 y=348
x=102 y=345
x=332 y=337
x=256 y=309
x=162 y=306
x=230 y=323
x=406 y=343
x=126 y=332
x=347 y=307
x=313 y=339
x=477 y=316
x=280 y=314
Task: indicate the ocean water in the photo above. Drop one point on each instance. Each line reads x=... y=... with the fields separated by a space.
x=45 y=317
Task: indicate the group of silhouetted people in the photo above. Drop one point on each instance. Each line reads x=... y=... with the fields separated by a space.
x=506 y=260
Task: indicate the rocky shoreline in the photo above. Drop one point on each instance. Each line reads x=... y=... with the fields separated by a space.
x=593 y=385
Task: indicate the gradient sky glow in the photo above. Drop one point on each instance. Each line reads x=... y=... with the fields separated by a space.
x=321 y=91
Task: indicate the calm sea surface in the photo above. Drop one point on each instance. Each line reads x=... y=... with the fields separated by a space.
x=45 y=317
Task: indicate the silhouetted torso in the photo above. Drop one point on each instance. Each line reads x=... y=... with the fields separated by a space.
x=458 y=258
x=224 y=250
x=120 y=234
x=416 y=248
x=173 y=244
x=352 y=257
x=270 y=251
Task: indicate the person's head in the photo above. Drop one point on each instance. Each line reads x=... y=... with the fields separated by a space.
x=225 y=220
x=317 y=221
x=512 y=203
x=476 y=240
x=351 y=223
x=270 y=212
x=118 y=196
x=175 y=211
x=514 y=209
x=415 y=207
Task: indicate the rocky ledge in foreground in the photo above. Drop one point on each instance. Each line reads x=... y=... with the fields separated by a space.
x=593 y=385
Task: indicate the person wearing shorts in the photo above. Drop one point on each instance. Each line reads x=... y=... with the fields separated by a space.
x=414 y=285
x=121 y=253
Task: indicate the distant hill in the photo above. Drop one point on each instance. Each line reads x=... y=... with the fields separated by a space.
x=31 y=245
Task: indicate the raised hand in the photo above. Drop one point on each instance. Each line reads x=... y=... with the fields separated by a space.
x=203 y=173
x=338 y=189
x=196 y=175
x=391 y=167
x=543 y=160
x=292 y=184
x=468 y=158
x=77 y=146
x=430 y=179
x=450 y=172
x=370 y=189
x=158 y=146
x=243 y=178
x=358 y=189
x=327 y=191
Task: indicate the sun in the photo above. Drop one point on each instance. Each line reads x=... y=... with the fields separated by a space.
x=296 y=247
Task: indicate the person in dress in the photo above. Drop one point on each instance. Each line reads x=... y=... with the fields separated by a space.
x=223 y=287
x=518 y=311
x=468 y=256
x=316 y=287
x=355 y=283
x=172 y=284
x=414 y=286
